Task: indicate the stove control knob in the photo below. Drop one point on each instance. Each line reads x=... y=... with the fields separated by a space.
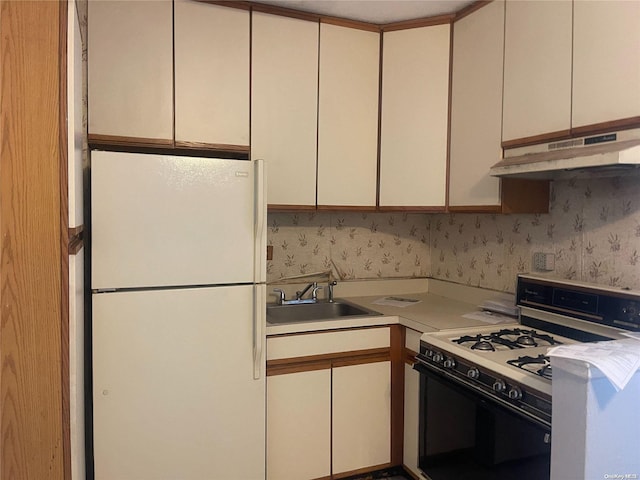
x=449 y=363
x=499 y=386
x=438 y=357
x=515 y=393
x=473 y=373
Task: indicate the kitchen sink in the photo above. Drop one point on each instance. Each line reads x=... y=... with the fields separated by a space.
x=308 y=312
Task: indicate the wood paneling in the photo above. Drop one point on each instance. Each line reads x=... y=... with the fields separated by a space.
x=33 y=332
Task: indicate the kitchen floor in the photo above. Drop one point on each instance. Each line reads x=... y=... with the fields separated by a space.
x=389 y=474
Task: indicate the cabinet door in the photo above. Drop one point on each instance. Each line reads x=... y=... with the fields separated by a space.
x=411 y=417
x=130 y=60
x=415 y=107
x=606 y=61
x=348 y=116
x=361 y=416
x=476 y=107
x=211 y=74
x=537 y=68
x=299 y=425
x=411 y=407
x=284 y=106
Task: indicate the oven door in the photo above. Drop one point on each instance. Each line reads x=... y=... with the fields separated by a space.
x=467 y=435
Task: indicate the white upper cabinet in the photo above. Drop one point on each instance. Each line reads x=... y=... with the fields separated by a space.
x=211 y=74
x=348 y=116
x=476 y=107
x=415 y=108
x=284 y=106
x=537 y=68
x=606 y=61
x=130 y=58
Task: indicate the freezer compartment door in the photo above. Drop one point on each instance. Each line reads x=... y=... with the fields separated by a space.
x=162 y=220
x=174 y=391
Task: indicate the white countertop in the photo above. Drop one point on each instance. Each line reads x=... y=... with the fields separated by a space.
x=435 y=312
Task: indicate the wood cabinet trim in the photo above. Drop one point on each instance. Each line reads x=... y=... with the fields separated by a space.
x=212 y=146
x=398 y=338
x=535 y=139
x=470 y=9
x=297 y=367
x=604 y=127
x=339 y=359
x=344 y=22
x=417 y=209
x=594 y=129
x=98 y=140
x=418 y=23
x=346 y=208
x=284 y=12
x=475 y=209
x=289 y=208
x=409 y=356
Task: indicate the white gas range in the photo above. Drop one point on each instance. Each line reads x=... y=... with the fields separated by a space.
x=499 y=378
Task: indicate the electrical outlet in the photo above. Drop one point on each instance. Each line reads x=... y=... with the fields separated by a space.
x=544 y=262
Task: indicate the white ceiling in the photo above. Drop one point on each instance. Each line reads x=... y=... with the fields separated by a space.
x=375 y=11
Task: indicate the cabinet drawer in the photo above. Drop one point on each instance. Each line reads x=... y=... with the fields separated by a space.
x=326 y=342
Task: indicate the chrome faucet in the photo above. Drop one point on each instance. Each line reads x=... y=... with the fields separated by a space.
x=314 y=287
x=299 y=295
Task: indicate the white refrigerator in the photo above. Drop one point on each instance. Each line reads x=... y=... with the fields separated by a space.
x=178 y=247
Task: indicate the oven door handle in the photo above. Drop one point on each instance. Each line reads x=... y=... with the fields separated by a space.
x=420 y=364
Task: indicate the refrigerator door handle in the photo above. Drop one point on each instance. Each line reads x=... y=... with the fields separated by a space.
x=260 y=267
x=259 y=314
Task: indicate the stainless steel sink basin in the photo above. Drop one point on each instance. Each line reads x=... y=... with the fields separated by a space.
x=315 y=311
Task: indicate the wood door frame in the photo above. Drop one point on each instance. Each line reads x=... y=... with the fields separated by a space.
x=34 y=327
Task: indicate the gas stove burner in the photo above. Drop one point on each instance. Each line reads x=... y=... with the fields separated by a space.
x=483 y=345
x=530 y=364
x=527 y=337
x=526 y=340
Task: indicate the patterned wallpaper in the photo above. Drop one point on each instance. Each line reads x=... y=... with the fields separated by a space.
x=352 y=245
x=593 y=229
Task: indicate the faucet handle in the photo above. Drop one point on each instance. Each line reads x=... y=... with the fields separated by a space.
x=281 y=295
x=314 y=292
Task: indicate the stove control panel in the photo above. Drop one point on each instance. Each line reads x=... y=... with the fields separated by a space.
x=487 y=383
x=592 y=303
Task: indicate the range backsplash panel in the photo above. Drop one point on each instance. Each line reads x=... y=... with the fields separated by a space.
x=593 y=229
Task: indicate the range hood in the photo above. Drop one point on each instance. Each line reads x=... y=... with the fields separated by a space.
x=610 y=154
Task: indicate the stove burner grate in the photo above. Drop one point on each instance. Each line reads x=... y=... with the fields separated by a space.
x=530 y=364
x=512 y=338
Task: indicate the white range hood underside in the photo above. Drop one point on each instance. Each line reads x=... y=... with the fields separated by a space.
x=601 y=160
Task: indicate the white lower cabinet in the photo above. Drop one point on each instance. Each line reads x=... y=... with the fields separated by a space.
x=328 y=414
x=411 y=414
x=411 y=407
x=361 y=416
x=299 y=425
